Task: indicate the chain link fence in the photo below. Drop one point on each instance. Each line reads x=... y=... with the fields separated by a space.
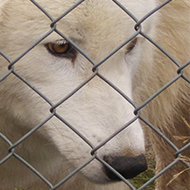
x=95 y=73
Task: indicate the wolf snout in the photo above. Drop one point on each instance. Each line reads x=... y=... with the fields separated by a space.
x=127 y=166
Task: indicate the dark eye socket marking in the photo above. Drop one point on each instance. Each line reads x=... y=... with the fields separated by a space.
x=131 y=45
x=61 y=48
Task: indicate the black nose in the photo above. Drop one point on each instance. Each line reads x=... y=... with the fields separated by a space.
x=127 y=166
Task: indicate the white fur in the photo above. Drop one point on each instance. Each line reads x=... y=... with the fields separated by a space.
x=96 y=111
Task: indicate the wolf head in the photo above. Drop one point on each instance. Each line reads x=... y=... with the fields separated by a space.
x=70 y=55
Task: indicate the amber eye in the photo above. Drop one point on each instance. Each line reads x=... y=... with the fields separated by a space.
x=131 y=45
x=59 y=47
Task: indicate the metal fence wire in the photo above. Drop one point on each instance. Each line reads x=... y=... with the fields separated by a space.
x=11 y=152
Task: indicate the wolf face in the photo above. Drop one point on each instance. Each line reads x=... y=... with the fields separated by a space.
x=65 y=56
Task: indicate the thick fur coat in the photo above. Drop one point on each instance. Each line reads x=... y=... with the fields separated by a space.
x=53 y=68
x=170 y=110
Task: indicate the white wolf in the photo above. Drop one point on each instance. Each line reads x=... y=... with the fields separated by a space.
x=51 y=70
x=55 y=69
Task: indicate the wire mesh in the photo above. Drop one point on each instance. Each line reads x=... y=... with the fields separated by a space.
x=95 y=73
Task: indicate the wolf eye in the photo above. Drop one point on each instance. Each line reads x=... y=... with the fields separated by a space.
x=131 y=45
x=61 y=48
x=58 y=47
